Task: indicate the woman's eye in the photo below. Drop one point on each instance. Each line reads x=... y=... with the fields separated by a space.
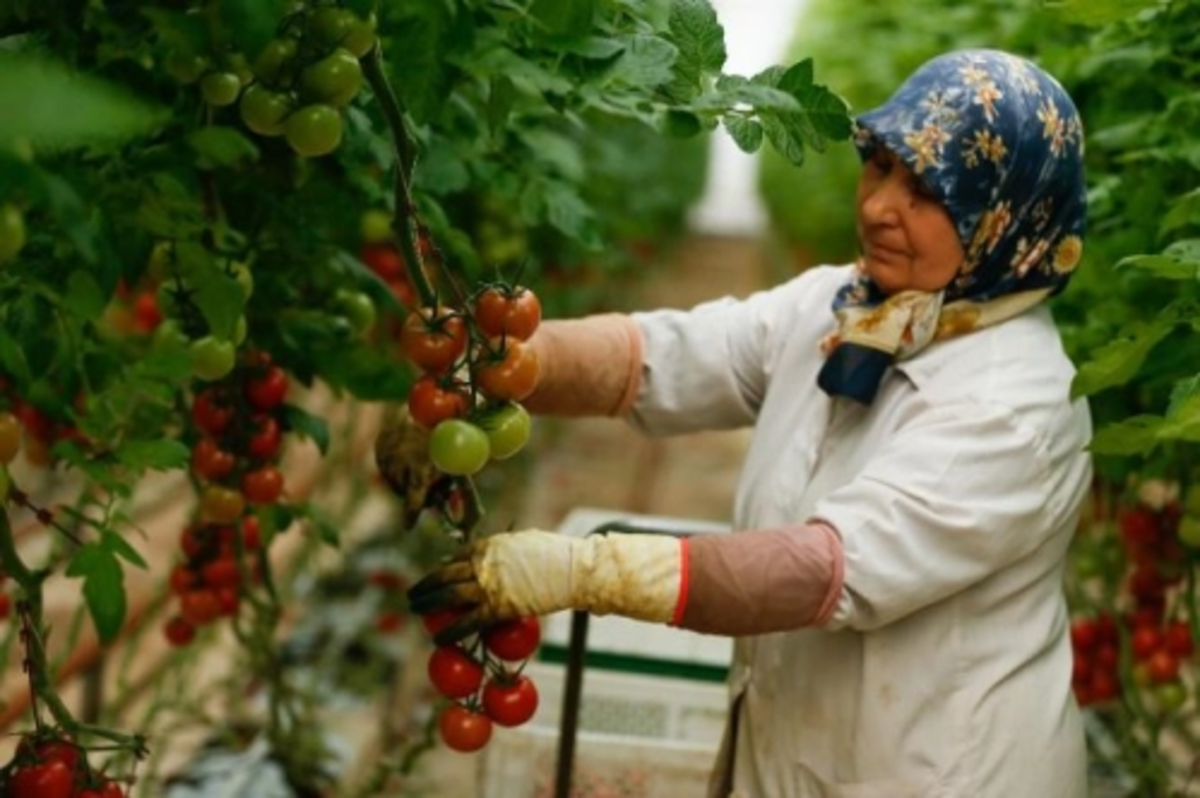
x=921 y=189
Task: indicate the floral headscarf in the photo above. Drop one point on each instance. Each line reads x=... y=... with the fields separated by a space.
x=999 y=143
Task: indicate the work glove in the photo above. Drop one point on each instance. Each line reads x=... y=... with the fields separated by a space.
x=534 y=572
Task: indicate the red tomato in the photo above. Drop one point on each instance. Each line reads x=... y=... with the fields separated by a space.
x=514 y=640
x=266 y=390
x=251 y=533
x=388 y=622
x=383 y=259
x=51 y=779
x=108 y=789
x=265 y=440
x=262 y=485
x=510 y=701
x=210 y=461
x=146 y=311
x=59 y=751
x=179 y=632
x=463 y=729
x=37 y=424
x=1139 y=527
x=454 y=672
x=222 y=572
x=1107 y=657
x=430 y=403
x=1104 y=686
x=1085 y=634
x=512 y=313
x=438 y=620
x=1163 y=667
x=1178 y=639
x=433 y=340
x=182 y=579
x=5 y=605
x=1146 y=640
x=509 y=372
x=199 y=607
x=212 y=411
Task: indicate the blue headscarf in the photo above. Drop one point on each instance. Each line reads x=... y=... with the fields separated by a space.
x=999 y=143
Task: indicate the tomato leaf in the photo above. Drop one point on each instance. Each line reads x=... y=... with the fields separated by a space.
x=157 y=455
x=217 y=146
x=746 y=133
x=694 y=29
x=645 y=60
x=308 y=425
x=1098 y=12
x=103 y=587
x=1131 y=436
x=121 y=547
x=83 y=297
x=251 y=23
x=571 y=18
x=1117 y=362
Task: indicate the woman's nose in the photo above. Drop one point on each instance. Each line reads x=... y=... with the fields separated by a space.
x=883 y=198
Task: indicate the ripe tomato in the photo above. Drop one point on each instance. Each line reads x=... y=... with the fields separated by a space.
x=335 y=79
x=267 y=389
x=510 y=700
x=463 y=729
x=453 y=672
x=179 y=632
x=146 y=312
x=262 y=485
x=106 y=789
x=383 y=259
x=42 y=780
x=438 y=620
x=12 y=231
x=212 y=358
x=508 y=428
x=222 y=572
x=1146 y=640
x=251 y=533
x=5 y=600
x=210 y=461
x=1178 y=639
x=220 y=88
x=314 y=130
x=264 y=111
x=513 y=313
x=265 y=439
x=221 y=505
x=514 y=640
x=59 y=750
x=458 y=447
x=1085 y=634
x=433 y=339
x=430 y=403
x=1163 y=666
x=199 y=607
x=10 y=437
x=509 y=372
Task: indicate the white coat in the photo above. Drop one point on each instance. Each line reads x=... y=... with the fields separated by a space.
x=945 y=671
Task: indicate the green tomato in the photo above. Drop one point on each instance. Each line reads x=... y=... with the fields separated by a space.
x=186 y=68
x=361 y=37
x=265 y=111
x=169 y=335
x=335 y=79
x=358 y=308
x=1170 y=696
x=220 y=88
x=508 y=428
x=245 y=278
x=331 y=25
x=1189 y=530
x=12 y=231
x=314 y=130
x=375 y=227
x=276 y=61
x=212 y=358
x=5 y=484
x=1191 y=500
x=458 y=447
x=239 y=331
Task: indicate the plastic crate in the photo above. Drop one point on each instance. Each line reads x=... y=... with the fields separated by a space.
x=638 y=737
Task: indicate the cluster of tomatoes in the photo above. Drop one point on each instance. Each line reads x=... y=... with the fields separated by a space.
x=25 y=428
x=482 y=679
x=1157 y=642
x=297 y=84
x=238 y=434
x=54 y=767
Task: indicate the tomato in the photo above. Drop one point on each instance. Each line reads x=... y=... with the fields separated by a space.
x=266 y=390
x=1105 y=686
x=464 y=730
x=10 y=437
x=510 y=701
x=265 y=439
x=275 y=61
x=314 y=130
x=335 y=79
x=212 y=358
x=361 y=38
x=210 y=461
x=106 y=789
x=212 y=411
x=146 y=312
x=375 y=227
x=508 y=428
x=221 y=505
x=458 y=447
x=12 y=231
x=430 y=403
x=42 y=780
x=222 y=572
x=1178 y=639
x=514 y=640
x=251 y=533
x=1085 y=634
x=438 y=620
x=179 y=632
x=508 y=372
x=512 y=313
x=182 y=578
x=330 y=25
x=220 y=88
x=433 y=339
x=383 y=259
x=1138 y=527
x=388 y=622
x=264 y=111
x=1170 y=696
x=1163 y=666
x=1146 y=640
x=1189 y=530
x=358 y=308
x=59 y=750
x=5 y=600
x=199 y=607
x=453 y=672
x=186 y=68
x=262 y=485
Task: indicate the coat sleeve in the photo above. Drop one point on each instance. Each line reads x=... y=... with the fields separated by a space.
x=944 y=505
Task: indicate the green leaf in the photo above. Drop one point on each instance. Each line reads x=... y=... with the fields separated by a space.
x=122 y=548
x=568 y=212
x=698 y=34
x=1182 y=422
x=1179 y=261
x=1096 y=13
x=103 y=588
x=1131 y=436
x=681 y=124
x=746 y=133
x=218 y=146
x=51 y=107
x=1117 y=362
x=251 y=23
x=83 y=298
x=646 y=61
x=309 y=426
x=561 y=153
x=565 y=17
x=157 y=455
x=57 y=195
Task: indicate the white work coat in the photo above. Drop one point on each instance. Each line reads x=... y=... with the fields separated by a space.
x=945 y=671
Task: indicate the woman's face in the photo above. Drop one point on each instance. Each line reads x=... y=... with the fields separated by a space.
x=908 y=240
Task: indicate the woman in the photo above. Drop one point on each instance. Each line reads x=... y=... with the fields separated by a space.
x=914 y=478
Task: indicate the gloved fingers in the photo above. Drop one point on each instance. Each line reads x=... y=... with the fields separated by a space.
x=469 y=623
x=437 y=594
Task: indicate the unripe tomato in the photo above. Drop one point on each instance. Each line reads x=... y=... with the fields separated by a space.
x=10 y=437
x=12 y=231
x=221 y=505
x=1189 y=530
x=1170 y=696
x=508 y=428
x=314 y=130
x=458 y=447
x=335 y=79
x=361 y=37
x=186 y=67
x=330 y=25
x=275 y=62
x=510 y=701
x=212 y=358
x=220 y=88
x=375 y=227
x=264 y=111
x=463 y=729
x=358 y=308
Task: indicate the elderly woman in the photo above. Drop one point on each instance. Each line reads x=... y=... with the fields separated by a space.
x=914 y=478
